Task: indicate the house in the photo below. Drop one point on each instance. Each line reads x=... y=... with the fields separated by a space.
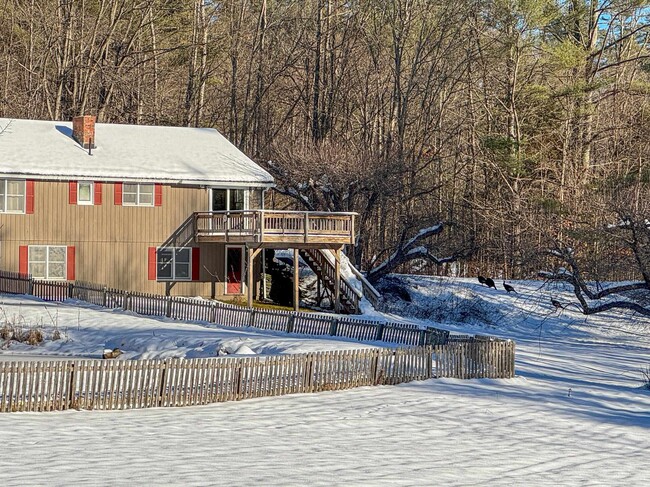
x=165 y=210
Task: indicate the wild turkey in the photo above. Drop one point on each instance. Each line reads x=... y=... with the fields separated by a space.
x=508 y=287
x=490 y=283
x=556 y=303
x=481 y=279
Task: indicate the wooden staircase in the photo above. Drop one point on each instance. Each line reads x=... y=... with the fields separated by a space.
x=325 y=271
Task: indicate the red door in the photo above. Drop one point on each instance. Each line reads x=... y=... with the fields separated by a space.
x=234 y=270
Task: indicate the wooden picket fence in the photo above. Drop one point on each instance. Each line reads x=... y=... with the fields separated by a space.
x=476 y=359
x=193 y=309
x=117 y=384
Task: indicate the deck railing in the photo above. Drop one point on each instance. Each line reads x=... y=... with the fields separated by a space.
x=275 y=226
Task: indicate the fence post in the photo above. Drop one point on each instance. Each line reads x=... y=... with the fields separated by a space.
x=105 y=297
x=127 y=299
x=429 y=362
x=422 y=338
x=213 y=313
x=161 y=388
x=71 y=386
x=168 y=311
x=309 y=369
x=380 y=332
x=290 y=323
x=334 y=327
x=239 y=379
x=30 y=286
x=251 y=322
x=70 y=290
x=376 y=373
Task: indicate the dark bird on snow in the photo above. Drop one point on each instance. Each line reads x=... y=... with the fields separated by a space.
x=481 y=279
x=490 y=283
x=556 y=303
x=508 y=287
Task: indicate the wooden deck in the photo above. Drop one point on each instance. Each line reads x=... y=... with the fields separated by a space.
x=275 y=228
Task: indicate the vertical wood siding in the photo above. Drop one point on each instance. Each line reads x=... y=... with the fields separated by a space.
x=111 y=241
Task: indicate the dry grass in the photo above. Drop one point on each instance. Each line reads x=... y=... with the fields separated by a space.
x=17 y=329
x=263 y=305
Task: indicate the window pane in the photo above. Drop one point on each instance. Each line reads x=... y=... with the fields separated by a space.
x=182 y=271
x=146 y=194
x=129 y=188
x=16 y=188
x=56 y=254
x=129 y=198
x=2 y=203
x=237 y=199
x=165 y=262
x=183 y=255
x=37 y=269
x=37 y=254
x=219 y=200
x=146 y=199
x=15 y=203
x=56 y=271
x=165 y=270
x=85 y=192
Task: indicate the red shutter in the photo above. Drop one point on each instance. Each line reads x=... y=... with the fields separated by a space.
x=72 y=192
x=98 y=193
x=70 y=258
x=23 y=253
x=157 y=200
x=196 y=263
x=29 y=196
x=118 y=194
x=152 y=263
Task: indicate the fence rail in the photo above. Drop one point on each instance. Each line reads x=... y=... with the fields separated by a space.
x=107 y=385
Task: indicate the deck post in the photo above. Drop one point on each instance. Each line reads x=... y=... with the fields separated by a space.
x=251 y=256
x=306 y=229
x=261 y=216
x=252 y=253
x=337 y=280
x=296 y=281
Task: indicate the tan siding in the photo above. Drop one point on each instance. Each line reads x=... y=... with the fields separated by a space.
x=112 y=241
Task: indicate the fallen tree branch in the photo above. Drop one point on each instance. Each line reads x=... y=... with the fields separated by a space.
x=411 y=249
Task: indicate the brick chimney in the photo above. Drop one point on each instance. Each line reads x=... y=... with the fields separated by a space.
x=83 y=130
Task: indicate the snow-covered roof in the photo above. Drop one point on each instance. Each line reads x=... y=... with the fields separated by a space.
x=180 y=155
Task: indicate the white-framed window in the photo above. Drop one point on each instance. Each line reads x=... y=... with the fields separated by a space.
x=137 y=194
x=85 y=192
x=174 y=264
x=47 y=261
x=229 y=199
x=12 y=196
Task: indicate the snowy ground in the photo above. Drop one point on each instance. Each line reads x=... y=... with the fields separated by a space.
x=87 y=330
x=575 y=415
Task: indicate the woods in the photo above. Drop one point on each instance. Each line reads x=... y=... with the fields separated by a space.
x=516 y=124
